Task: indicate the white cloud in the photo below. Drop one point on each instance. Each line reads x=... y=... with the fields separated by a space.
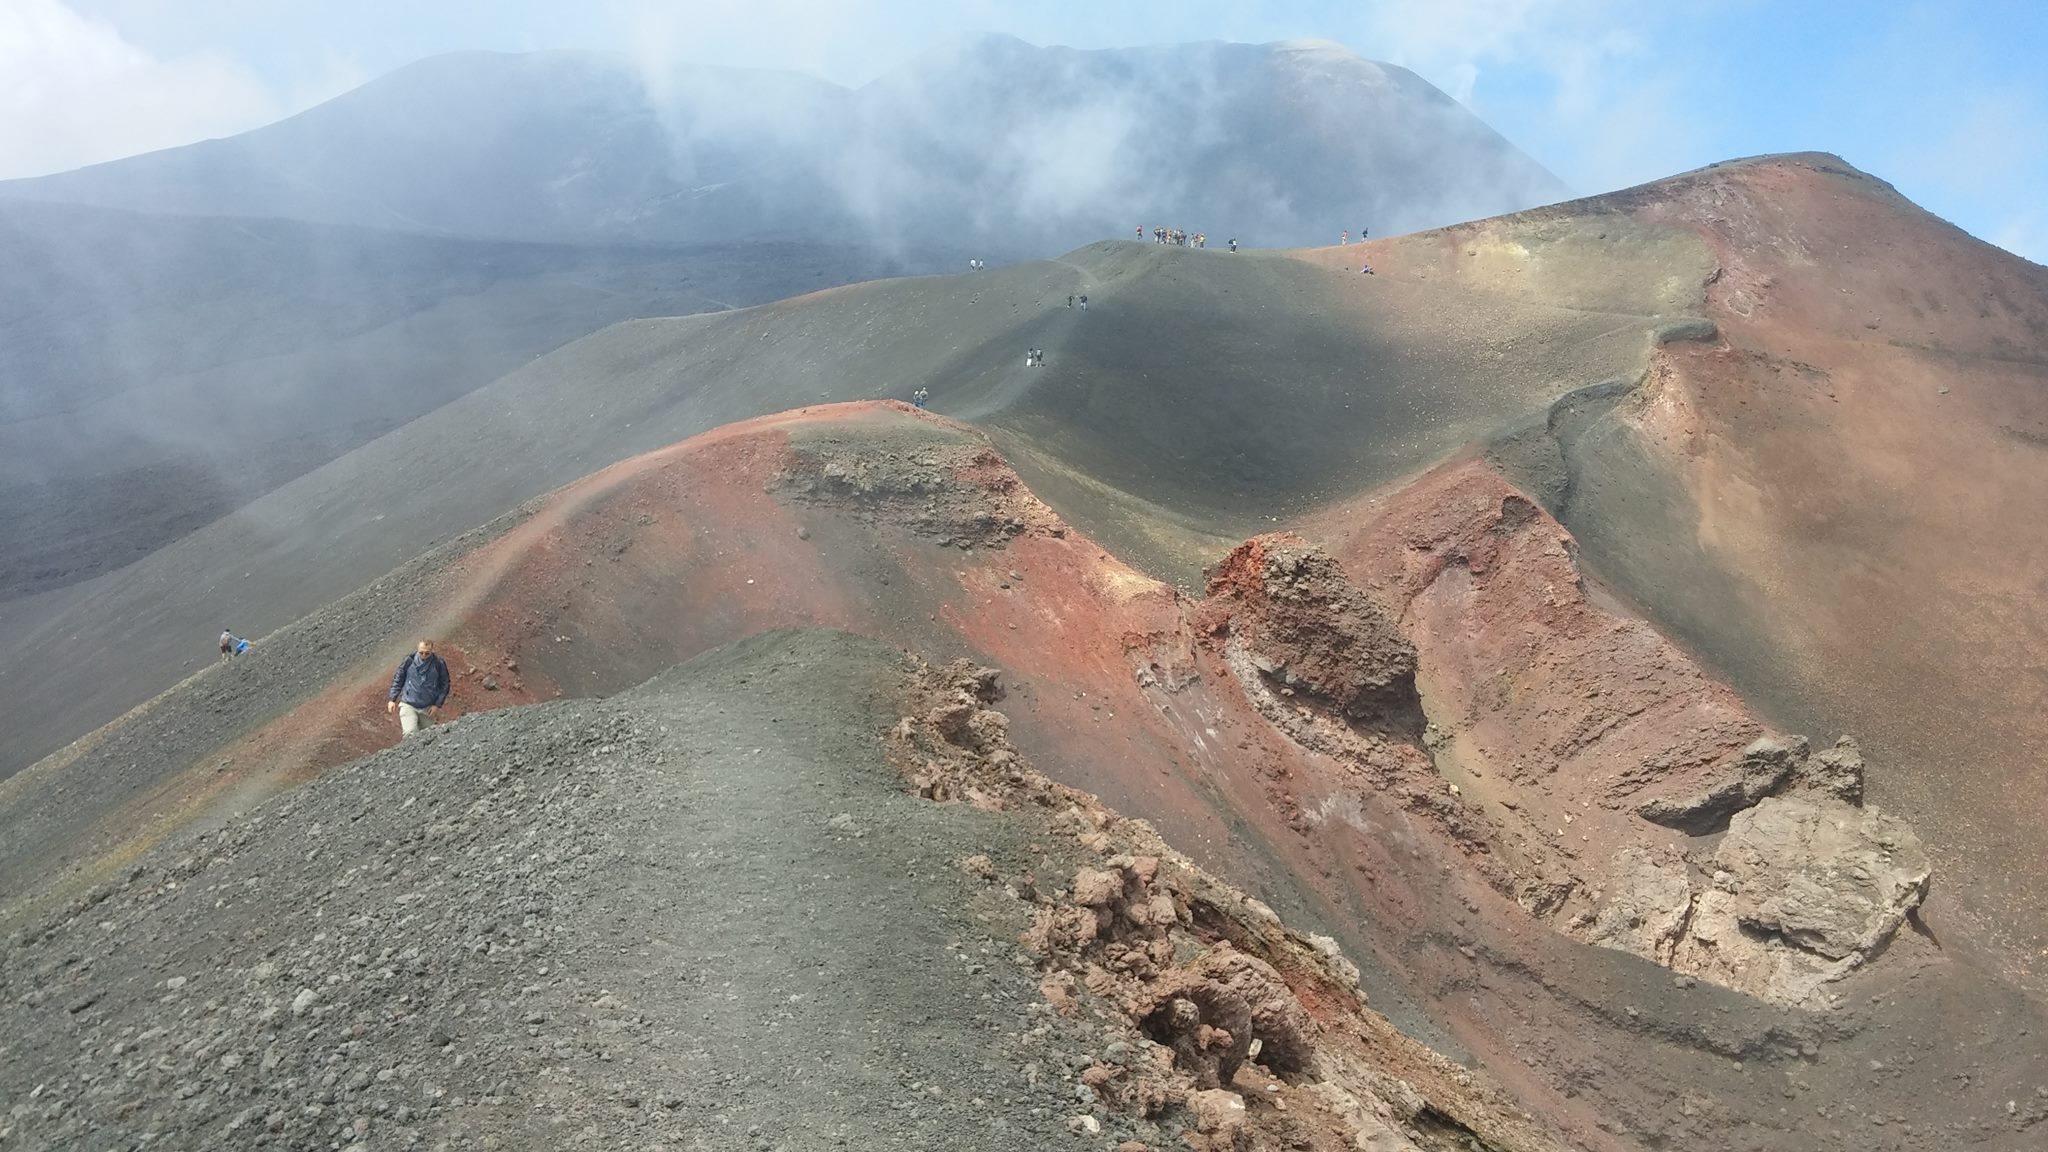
x=74 y=91
x=1575 y=82
x=1454 y=41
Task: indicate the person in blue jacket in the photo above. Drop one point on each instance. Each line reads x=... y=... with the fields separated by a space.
x=420 y=685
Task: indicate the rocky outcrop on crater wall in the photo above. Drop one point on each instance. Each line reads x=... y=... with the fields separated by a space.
x=1803 y=886
x=1598 y=777
x=1309 y=632
x=1801 y=893
x=1768 y=766
x=952 y=487
x=1218 y=1022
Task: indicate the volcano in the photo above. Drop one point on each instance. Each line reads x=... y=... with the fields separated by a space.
x=1545 y=645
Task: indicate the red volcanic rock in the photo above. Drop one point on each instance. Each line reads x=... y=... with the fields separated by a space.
x=1306 y=628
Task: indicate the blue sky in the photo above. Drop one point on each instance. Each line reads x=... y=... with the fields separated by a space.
x=1947 y=101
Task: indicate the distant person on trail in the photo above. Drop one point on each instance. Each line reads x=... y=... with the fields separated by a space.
x=1070 y=299
x=1367 y=271
x=1346 y=239
x=920 y=398
x=1233 y=243
x=419 y=685
x=1084 y=303
x=227 y=644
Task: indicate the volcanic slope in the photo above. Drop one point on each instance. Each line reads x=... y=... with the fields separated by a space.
x=1837 y=502
x=157 y=372
x=1200 y=394
x=706 y=913
x=1427 y=740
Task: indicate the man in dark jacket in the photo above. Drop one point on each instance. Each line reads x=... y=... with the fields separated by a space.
x=419 y=685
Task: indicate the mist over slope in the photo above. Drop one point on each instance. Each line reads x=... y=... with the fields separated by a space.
x=1005 y=149
x=157 y=372
x=186 y=330
x=1203 y=393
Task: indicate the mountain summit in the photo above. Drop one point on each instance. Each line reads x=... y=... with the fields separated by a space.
x=1005 y=148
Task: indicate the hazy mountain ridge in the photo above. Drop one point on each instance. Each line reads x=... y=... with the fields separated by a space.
x=185 y=330
x=157 y=372
x=1006 y=148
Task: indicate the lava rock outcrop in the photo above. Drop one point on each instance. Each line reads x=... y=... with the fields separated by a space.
x=1288 y=608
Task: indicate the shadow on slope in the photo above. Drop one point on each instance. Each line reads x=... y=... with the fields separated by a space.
x=1224 y=390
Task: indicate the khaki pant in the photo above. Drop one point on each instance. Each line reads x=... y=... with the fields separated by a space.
x=411 y=719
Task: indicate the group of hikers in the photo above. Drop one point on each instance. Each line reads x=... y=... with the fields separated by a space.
x=231 y=645
x=1180 y=239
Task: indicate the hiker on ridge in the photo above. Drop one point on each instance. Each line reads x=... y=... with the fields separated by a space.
x=920 y=398
x=419 y=685
x=227 y=644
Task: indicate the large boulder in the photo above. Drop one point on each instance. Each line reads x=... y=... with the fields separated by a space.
x=1803 y=892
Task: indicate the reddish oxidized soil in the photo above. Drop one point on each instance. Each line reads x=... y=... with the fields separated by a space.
x=1545 y=707
x=1417 y=723
x=1864 y=450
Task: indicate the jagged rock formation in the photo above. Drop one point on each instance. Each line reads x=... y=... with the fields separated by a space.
x=1768 y=766
x=1290 y=613
x=1251 y=1035
x=1801 y=893
x=1802 y=888
x=958 y=493
x=1765 y=766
